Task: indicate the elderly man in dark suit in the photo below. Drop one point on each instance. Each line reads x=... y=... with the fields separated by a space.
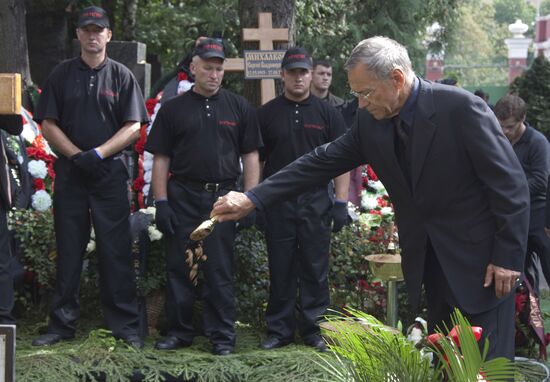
x=12 y=124
x=460 y=194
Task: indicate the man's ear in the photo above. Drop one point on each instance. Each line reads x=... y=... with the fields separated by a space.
x=398 y=77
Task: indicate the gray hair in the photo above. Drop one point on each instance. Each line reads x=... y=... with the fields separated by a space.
x=381 y=55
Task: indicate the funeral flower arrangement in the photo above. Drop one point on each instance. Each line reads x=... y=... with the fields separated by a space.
x=32 y=223
x=376 y=212
x=372 y=231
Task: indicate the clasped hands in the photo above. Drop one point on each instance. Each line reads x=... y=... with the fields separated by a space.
x=90 y=163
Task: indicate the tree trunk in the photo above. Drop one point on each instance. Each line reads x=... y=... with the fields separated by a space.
x=283 y=16
x=14 y=57
x=110 y=8
x=129 y=20
x=48 y=39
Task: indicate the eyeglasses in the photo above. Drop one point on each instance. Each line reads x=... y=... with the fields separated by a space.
x=362 y=95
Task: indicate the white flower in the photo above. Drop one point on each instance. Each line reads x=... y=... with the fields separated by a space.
x=90 y=247
x=149 y=210
x=147 y=176
x=378 y=186
x=147 y=165
x=154 y=234
x=369 y=202
x=145 y=189
x=38 y=169
x=147 y=156
x=184 y=86
x=41 y=201
x=415 y=335
x=386 y=211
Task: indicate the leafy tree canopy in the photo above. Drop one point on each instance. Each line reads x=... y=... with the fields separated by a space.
x=476 y=51
x=330 y=29
x=534 y=87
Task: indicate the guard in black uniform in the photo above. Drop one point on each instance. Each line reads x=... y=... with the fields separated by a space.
x=91 y=108
x=198 y=137
x=298 y=230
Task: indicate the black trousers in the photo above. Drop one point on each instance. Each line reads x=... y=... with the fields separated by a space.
x=298 y=239
x=78 y=202
x=538 y=248
x=192 y=206
x=498 y=323
x=6 y=279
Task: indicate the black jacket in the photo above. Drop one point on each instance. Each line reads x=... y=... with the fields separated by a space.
x=469 y=193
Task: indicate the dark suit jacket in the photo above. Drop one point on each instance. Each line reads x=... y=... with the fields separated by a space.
x=469 y=193
x=13 y=124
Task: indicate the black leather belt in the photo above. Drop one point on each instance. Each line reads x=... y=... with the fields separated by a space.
x=206 y=186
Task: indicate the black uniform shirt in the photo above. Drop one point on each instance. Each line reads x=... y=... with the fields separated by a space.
x=204 y=136
x=533 y=152
x=291 y=129
x=91 y=105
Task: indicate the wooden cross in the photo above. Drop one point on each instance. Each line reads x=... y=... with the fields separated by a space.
x=266 y=35
x=10 y=93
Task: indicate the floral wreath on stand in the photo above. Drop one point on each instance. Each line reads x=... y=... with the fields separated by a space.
x=33 y=227
x=40 y=165
x=142 y=183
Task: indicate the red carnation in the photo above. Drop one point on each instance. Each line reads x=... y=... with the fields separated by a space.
x=363 y=284
x=150 y=105
x=140 y=144
x=51 y=171
x=182 y=76
x=381 y=202
x=371 y=174
x=39 y=185
x=139 y=183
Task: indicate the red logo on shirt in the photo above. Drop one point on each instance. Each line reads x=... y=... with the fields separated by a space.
x=108 y=93
x=313 y=126
x=227 y=123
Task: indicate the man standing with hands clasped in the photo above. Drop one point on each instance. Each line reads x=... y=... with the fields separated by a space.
x=460 y=195
x=91 y=108
x=199 y=137
x=298 y=229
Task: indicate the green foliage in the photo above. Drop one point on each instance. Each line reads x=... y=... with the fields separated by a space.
x=475 y=48
x=251 y=276
x=348 y=271
x=170 y=27
x=34 y=231
x=154 y=277
x=463 y=363
x=534 y=87
x=331 y=29
x=508 y=11
x=101 y=357
x=366 y=350
x=544 y=7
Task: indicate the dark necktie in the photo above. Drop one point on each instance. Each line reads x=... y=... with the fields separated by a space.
x=402 y=134
x=402 y=148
